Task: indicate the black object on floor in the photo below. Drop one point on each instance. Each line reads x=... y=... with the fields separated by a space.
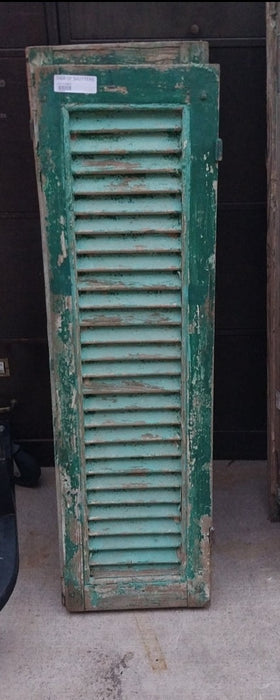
x=28 y=474
x=28 y=469
x=9 y=555
x=9 y=558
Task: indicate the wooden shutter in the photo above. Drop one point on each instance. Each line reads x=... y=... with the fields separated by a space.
x=128 y=200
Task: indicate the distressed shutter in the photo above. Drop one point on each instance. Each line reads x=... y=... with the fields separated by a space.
x=128 y=202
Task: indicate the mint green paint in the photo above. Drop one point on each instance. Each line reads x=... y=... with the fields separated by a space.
x=130 y=265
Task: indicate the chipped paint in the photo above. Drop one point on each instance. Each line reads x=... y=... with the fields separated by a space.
x=121 y=89
x=74 y=399
x=212 y=261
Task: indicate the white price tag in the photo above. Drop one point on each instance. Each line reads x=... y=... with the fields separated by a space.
x=85 y=84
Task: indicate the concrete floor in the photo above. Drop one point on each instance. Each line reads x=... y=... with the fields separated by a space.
x=229 y=651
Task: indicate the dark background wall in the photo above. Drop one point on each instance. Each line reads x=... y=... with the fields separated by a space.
x=236 y=35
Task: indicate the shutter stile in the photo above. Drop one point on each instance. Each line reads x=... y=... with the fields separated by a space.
x=127 y=203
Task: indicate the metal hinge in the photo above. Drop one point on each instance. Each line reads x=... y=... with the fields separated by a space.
x=219 y=150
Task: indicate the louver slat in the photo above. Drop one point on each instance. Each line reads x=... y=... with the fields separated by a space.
x=118 y=143
x=117 y=184
x=127 y=202
x=127 y=244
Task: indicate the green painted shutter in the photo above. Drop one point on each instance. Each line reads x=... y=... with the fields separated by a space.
x=127 y=181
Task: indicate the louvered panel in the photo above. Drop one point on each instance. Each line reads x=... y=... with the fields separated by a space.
x=128 y=260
